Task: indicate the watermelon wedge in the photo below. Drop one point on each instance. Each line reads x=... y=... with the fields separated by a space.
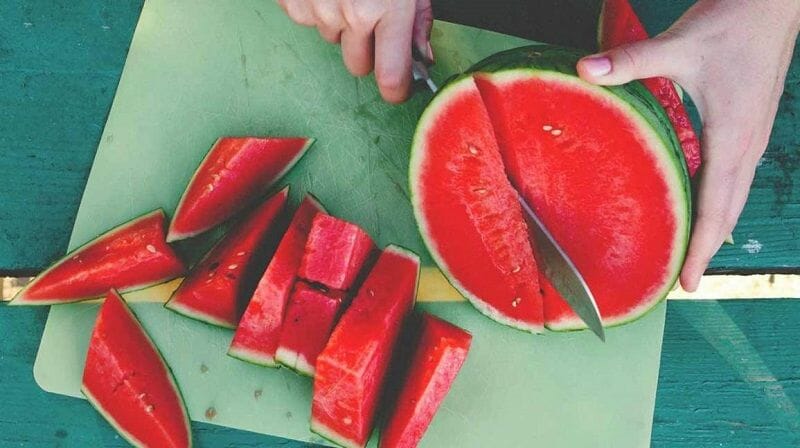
x=309 y=320
x=235 y=172
x=351 y=370
x=601 y=167
x=440 y=352
x=217 y=288
x=335 y=252
x=467 y=210
x=129 y=383
x=258 y=334
x=129 y=257
x=620 y=25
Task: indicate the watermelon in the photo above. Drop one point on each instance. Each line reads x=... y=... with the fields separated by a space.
x=441 y=350
x=310 y=317
x=468 y=212
x=235 y=172
x=129 y=383
x=351 y=370
x=601 y=166
x=620 y=25
x=257 y=336
x=131 y=256
x=217 y=288
x=335 y=252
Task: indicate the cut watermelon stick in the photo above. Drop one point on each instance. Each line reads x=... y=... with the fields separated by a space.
x=351 y=370
x=257 y=336
x=335 y=252
x=620 y=25
x=129 y=257
x=310 y=318
x=440 y=352
x=214 y=291
x=234 y=173
x=127 y=380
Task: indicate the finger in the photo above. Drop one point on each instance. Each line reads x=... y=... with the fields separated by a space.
x=393 y=53
x=423 y=22
x=357 y=51
x=328 y=17
x=299 y=11
x=644 y=59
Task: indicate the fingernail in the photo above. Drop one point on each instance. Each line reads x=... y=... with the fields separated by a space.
x=429 y=52
x=597 y=65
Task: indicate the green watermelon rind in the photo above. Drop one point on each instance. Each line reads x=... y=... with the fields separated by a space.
x=634 y=97
x=19 y=299
x=645 y=109
x=98 y=407
x=174 y=236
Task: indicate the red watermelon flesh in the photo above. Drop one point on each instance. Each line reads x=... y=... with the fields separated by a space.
x=468 y=211
x=310 y=317
x=620 y=25
x=129 y=383
x=214 y=290
x=335 y=252
x=235 y=172
x=440 y=352
x=257 y=336
x=564 y=145
x=131 y=256
x=351 y=370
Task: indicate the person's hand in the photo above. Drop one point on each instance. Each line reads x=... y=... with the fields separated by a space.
x=374 y=34
x=732 y=58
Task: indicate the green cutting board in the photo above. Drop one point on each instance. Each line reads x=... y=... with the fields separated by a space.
x=198 y=69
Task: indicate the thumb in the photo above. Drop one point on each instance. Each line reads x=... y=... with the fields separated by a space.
x=638 y=60
x=423 y=21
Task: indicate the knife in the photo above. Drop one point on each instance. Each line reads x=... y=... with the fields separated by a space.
x=562 y=273
x=419 y=71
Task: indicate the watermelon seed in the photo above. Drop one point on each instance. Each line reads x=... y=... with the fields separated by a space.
x=233 y=266
x=211 y=413
x=210 y=187
x=516 y=301
x=347 y=421
x=556 y=132
x=473 y=150
x=257 y=393
x=151 y=248
x=480 y=190
x=547 y=128
x=240 y=253
x=150 y=408
x=141 y=396
x=203 y=368
x=516 y=269
x=371 y=293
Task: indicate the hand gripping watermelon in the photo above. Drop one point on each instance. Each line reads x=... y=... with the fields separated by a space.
x=215 y=291
x=129 y=383
x=235 y=172
x=620 y=25
x=129 y=257
x=440 y=352
x=258 y=334
x=351 y=370
x=601 y=167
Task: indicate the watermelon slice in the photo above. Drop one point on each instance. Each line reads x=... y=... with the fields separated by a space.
x=620 y=25
x=215 y=290
x=335 y=252
x=257 y=336
x=309 y=320
x=351 y=370
x=129 y=257
x=129 y=383
x=233 y=174
x=440 y=352
x=468 y=212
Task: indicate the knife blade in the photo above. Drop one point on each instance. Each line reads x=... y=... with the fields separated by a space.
x=419 y=72
x=563 y=274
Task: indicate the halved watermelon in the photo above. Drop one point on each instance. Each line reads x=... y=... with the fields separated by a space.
x=129 y=257
x=620 y=25
x=257 y=336
x=351 y=370
x=335 y=252
x=310 y=317
x=440 y=352
x=129 y=383
x=235 y=172
x=216 y=290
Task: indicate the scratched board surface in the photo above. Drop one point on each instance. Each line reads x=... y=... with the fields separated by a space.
x=200 y=69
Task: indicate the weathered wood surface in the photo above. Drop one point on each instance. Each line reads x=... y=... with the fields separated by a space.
x=729 y=370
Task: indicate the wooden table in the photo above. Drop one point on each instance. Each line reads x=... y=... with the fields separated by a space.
x=729 y=374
